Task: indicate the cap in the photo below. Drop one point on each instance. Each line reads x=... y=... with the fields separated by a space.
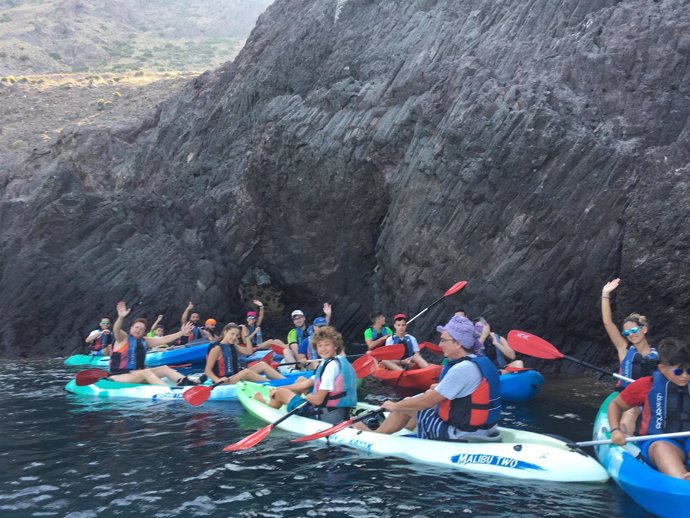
x=210 y=321
x=320 y=322
x=251 y=314
x=400 y=316
x=297 y=313
x=461 y=330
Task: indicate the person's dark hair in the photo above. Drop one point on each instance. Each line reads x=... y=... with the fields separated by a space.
x=108 y=318
x=142 y=320
x=230 y=326
x=673 y=352
x=376 y=314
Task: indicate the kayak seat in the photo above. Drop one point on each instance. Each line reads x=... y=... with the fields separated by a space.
x=495 y=437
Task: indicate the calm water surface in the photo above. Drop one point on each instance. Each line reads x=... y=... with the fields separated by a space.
x=64 y=455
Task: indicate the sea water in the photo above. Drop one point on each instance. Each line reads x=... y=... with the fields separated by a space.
x=78 y=457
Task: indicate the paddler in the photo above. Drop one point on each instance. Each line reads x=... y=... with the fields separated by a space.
x=101 y=339
x=332 y=390
x=465 y=404
x=195 y=319
x=412 y=358
x=129 y=353
x=222 y=359
x=496 y=348
x=376 y=334
x=301 y=331
x=665 y=400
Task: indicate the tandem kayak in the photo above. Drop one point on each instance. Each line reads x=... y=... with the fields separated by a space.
x=517 y=386
x=193 y=353
x=657 y=492
x=522 y=454
x=113 y=389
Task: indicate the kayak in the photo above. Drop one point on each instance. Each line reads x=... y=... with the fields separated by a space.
x=113 y=389
x=522 y=454
x=516 y=386
x=657 y=492
x=193 y=353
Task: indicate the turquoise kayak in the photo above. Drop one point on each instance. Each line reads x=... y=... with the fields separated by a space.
x=113 y=389
x=193 y=353
x=658 y=493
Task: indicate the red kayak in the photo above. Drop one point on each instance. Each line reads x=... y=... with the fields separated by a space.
x=419 y=379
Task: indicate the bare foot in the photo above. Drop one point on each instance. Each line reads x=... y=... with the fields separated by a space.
x=359 y=425
x=687 y=476
x=259 y=397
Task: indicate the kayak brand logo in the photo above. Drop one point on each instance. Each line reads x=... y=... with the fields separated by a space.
x=494 y=460
x=357 y=443
x=659 y=412
x=166 y=395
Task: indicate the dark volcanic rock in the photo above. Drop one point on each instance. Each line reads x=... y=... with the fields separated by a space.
x=371 y=154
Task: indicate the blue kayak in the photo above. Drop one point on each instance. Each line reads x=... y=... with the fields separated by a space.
x=658 y=493
x=520 y=386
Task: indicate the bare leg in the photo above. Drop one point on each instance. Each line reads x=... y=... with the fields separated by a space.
x=279 y=397
x=517 y=364
x=419 y=361
x=247 y=375
x=390 y=365
x=266 y=370
x=266 y=344
x=139 y=376
x=396 y=421
x=668 y=458
x=166 y=372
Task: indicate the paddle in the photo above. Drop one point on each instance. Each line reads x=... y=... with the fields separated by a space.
x=531 y=345
x=432 y=348
x=630 y=439
x=266 y=359
x=450 y=291
x=388 y=352
x=90 y=376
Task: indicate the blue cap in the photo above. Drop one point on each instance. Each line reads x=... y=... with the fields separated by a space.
x=320 y=322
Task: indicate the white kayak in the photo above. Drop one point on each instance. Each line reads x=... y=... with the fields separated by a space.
x=521 y=454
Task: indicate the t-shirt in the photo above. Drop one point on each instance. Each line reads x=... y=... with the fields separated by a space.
x=635 y=394
x=460 y=381
x=413 y=341
x=368 y=334
x=292 y=335
x=330 y=373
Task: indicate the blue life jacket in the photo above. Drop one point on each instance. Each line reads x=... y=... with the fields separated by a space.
x=375 y=335
x=258 y=337
x=409 y=348
x=479 y=410
x=636 y=366
x=130 y=357
x=344 y=393
x=103 y=340
x=669 y=407
x=311 y=351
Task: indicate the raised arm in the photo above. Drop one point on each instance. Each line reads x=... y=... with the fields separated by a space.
x=122 y=312
x=244 y=348
x=154 y=341
x=260 y=318
x=619 y=342
x=503 y=346
x=185 y=314
x=328 y=311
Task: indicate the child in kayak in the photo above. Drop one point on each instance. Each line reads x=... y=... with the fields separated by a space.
x=101 y=339
x=413 y=358
x=377 y=333
x=465 y=404
x=665 y=398
x=222 y=359
x=637 y=357
x=332 y=390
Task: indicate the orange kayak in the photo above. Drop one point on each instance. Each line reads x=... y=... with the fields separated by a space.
x=420 y=379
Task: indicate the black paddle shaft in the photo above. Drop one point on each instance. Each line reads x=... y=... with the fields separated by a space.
x=584 y=363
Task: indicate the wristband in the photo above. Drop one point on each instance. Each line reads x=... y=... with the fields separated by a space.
x=605 y=297
x=614 y=429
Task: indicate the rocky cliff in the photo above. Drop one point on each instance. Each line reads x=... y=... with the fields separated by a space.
x=372 y=153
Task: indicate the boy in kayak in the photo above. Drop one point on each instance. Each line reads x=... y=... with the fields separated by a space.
x=129 y=353
x=100 y=339
x=464 y=405
x=377 y=333
x=222 y=360
x=665 y=400
x=332 y=390
x=412 y=358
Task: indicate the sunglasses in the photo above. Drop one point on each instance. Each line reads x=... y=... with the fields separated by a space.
x=679 y=372
x=105 y=323
x=633 y=330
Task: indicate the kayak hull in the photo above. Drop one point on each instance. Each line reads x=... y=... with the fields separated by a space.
x=519 y=386
x=106 y=388
x=523 y=455
x=656 y=492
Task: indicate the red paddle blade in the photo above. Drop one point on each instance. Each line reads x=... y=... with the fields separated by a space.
x=268 y=357
x=364 y=366
x=531 y=345
x=388 y=352
x=89 y=376
x=324 y=433
x=455 y=288
x=431 y=347
x=197 y=395
x=277 y=349
x=250 y=440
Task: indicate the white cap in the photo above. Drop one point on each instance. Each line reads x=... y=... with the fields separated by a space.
x=297 y=313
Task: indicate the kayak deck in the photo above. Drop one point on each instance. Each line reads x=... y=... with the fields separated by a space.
x=657 y=492
x=522 y=454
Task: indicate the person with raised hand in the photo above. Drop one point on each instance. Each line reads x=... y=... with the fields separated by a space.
x=101 y=339
x=665 y=399
x=496 y=348
x=127 y=361
x=466 y=402
x=195 y=319
x=222 y=359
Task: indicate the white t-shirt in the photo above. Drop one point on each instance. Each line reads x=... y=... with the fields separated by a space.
x=461 y=380
x=330 y=373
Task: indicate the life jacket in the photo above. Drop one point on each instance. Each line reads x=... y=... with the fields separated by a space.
x=102 y=341
x=636 y=366
x=344 y=393
x=228 y=361
x=667 y=408
x=375 y=335
x=479 y=410
x=311 y=351
x=409 y=349
x=301 y=334
x=129 y=357
x=258 y=338
x=493 y=353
